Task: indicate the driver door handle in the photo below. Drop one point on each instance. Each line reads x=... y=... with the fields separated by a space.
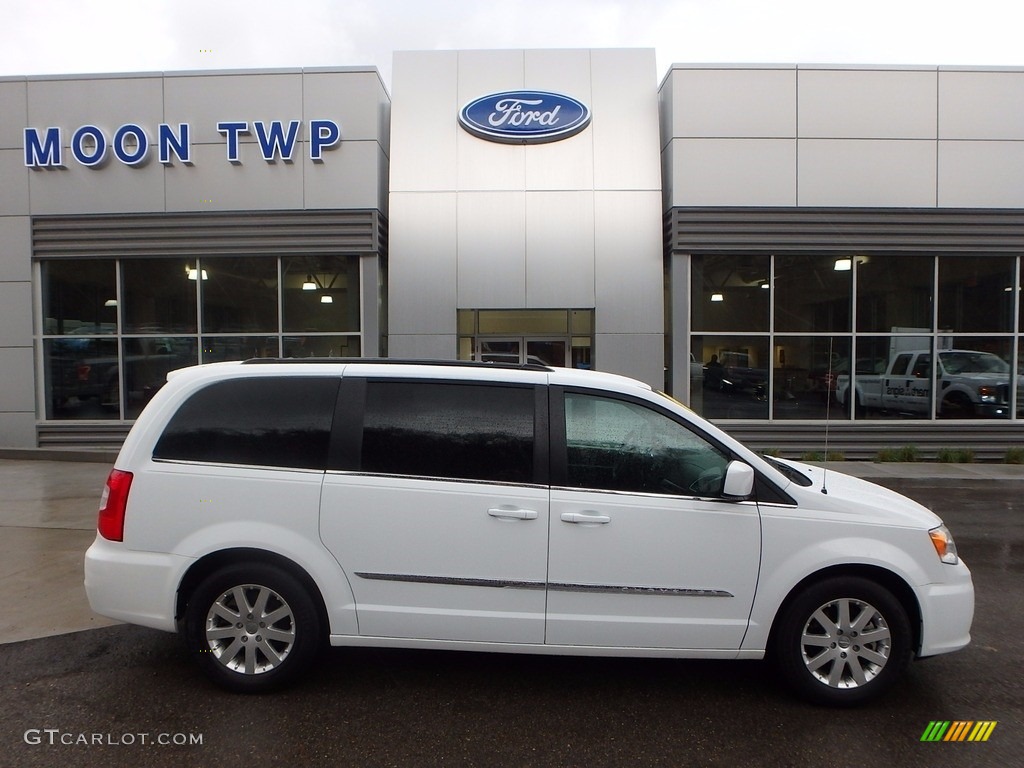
x=585 y=518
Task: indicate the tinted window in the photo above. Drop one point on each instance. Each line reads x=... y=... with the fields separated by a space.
x=619 y=446
x=467 y=431
x=277 y=422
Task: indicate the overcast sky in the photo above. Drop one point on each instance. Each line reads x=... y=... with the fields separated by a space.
x=80 y=36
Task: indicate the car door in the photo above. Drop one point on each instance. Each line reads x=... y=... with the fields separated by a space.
x=644 y=552
x=437 y=508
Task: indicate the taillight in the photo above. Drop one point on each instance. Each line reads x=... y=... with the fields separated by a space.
x=113 y=503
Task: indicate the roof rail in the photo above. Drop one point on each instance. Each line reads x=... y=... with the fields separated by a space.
x=395 y=361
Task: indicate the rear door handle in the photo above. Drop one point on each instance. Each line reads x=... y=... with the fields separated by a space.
x=585 y=518
x=512 y=513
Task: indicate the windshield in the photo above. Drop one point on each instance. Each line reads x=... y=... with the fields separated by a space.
x=973 y=362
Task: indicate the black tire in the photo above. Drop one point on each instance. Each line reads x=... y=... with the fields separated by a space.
x=268 y=643
x=957 y=406
x=820 y=652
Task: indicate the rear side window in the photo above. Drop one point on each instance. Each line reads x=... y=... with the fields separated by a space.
x=268 y=421
x=460 y=431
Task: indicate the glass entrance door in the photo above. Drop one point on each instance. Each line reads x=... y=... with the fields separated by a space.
x=524 y=349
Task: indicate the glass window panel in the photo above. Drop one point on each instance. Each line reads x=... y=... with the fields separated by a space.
x=81 y=378
x=619 y=446
x=217 y=349
x=240 y=294
x=332 y=305
x=463 y=431
x=147 y=362
x=972 y=293
x=726 y=293
x=159 y=295
x=523 y=321
x=466 y=319
x=272 y=422
x=321 y=346
x=582 y=321
x=805 y=375
x=735 y=383
x=79 y=297
x=546 y=352
x=877 y=394
x=974 y=378
x=1020 y=379
x=894 y=292
x=811 y=294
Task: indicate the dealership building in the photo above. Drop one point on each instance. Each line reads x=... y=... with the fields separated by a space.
x=780 y=247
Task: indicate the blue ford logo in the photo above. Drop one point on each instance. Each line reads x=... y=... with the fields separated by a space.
x=524 y=117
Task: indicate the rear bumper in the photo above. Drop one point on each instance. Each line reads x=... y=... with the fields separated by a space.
x=135 y=587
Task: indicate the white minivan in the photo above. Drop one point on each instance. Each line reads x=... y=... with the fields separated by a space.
x=267 y=507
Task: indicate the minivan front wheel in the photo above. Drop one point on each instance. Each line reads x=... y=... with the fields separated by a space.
x=843 y=641
x=253 y=627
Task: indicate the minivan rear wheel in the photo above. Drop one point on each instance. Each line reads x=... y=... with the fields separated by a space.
x=842 y=642
x=253 y=627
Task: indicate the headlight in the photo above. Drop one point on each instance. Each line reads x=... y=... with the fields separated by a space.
x=944 y=545
x=988 y=394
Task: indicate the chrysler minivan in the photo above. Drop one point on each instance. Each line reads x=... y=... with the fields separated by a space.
x=266 y=508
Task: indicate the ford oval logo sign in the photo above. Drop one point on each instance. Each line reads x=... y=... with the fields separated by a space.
x=524 y=117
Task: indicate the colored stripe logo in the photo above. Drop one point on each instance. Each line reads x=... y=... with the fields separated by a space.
x=958 y=730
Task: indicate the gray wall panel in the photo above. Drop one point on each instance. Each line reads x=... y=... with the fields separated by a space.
x=14 y=108
x=625 y=122
x=487 y=165
x=422 y=268
x=424 y=110
x=739 y=172
x=214 y=184
x=866 y=173
x=491 y=250
x=15 y=248
x=423 y=346
x=348 y=178
x=867 y=104
x=205 y=100
x=357 y=100
x=17 y=380
x=981 y=105
x=106 y=102
x=14 y=189
x=15 y=315
x=560 y=70
x=560 y=249
x=628 y=263
x=632 y=354
x=111 y=188
x=732 y=103
x=18 y=430
x=981 y=173
x=484 y=72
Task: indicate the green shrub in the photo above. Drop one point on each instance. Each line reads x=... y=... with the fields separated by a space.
x=955 y=455
x=773 y=452
x=811 y=456
x=903 y=453
x=835 y=456
x=1014 y=455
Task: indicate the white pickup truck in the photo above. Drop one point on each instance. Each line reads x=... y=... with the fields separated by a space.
x=970 y=384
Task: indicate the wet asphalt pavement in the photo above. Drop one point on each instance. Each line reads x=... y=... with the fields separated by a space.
x=129 y=687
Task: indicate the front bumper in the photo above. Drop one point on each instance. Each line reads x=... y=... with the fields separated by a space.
x=947 y=610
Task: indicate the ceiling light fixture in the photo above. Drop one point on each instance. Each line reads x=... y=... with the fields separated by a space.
x=326 y=299
x=717 y=297
x=309 y=285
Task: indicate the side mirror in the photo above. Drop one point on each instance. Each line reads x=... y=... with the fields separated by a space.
x=739 y=481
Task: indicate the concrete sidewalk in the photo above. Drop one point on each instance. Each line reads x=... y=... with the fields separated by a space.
x=48 y=519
